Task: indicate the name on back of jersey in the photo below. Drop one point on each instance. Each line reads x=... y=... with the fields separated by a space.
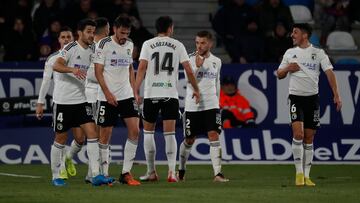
x=159 y=44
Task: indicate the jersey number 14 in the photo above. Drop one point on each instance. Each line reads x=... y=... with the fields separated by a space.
x=166 y=62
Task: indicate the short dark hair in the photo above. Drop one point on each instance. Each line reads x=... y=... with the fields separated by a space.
x=101 y=22
x=64 y=29
x=305 y=27
x=163 y=23
x=205 y=34
x=85 y=22
x=228 y=80
x=122 y=21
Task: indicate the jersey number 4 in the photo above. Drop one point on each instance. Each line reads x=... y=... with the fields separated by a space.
x=166 y=64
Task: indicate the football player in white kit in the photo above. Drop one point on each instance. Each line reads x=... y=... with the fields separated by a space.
x=116 y=77
x=70 y=106
x=159 y=59
x=203 y=117
x=303 y=63
x=102 y=30
x=65 y=36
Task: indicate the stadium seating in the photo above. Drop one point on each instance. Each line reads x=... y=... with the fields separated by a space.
x=301 y=14
x=315 y=40
x=340 y=40
x=347 y=61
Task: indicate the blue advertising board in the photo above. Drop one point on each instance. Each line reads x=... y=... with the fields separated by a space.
x=337 y=141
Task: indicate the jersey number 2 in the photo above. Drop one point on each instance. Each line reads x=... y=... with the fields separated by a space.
x=166 y=64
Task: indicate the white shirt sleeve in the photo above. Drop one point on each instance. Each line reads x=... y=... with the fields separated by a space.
x=144 y=54
x=183 y=54
x=99 y=56
x=325 y=61
x=66 y=55
x=284 y=61
x=45 y=84
x=218 y=81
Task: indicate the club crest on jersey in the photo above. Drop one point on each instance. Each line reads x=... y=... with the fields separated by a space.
x=101 y=119
x=313 y=56
x=214 y=65
x=294 y=57
x=59 y=126
x=63 y=53
x=114 y=53
x=78 y=57
x=128 y=52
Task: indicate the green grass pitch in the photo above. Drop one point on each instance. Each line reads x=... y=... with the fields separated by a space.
x=248 y=183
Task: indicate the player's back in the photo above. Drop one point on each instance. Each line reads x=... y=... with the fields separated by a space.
x=163 y=54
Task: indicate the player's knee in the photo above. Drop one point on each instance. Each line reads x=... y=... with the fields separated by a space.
x=134 y=133
x=298 y=135
x=213 y=136
x=189 y=141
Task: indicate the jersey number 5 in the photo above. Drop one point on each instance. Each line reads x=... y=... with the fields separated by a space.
x=166 y=64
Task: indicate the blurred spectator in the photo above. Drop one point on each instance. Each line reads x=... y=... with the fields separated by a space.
x=272 y=11
x=139 y=34
x=235 y=108
x=76 y=11
x=117 y=7
x=44 y=52
x=50 y=35
x=335 y=18
x=277 y=43
x=252 y=45
x=354 y=13
x=47 y=11
x=19 y=42
x=231 y=24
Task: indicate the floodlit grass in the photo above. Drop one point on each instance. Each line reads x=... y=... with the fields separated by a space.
x=248 y=183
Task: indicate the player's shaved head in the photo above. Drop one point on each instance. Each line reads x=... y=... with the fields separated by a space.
x=163 y=23
x=101 y=24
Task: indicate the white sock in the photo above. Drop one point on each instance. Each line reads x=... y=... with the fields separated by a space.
x=150 y=150
x=308 y=157
x=55 y=155
x=184 y=153
x=104 y=159
x=215 y=155
x=93 y=155
x=129 y=155
x=298 y=153
x=63 y=157
x=171 y=150
x=74 y=149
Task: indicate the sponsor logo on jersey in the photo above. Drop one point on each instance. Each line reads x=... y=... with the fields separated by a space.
x=310 y=66
x=84 y=67
x=120 y=62
x=59 y=126
x=162 y=84
x=206 y=74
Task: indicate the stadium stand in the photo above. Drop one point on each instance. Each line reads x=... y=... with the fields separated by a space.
x=340 y=40
x=301 y=14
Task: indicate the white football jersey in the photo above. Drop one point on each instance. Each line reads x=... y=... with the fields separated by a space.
x=163 y=54
x=208 y=79
x=305 y=81
x=116 y=60
x=48 y=72
x=91 y=83
x=67 y=88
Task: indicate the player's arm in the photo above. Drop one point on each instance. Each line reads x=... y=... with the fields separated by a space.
x=218 y=82
x=291 y=67
x=45 y=86
x=99 y=74
x=60 y=66
x=192 y=80
x=139 y=78
x=333 y=84
x=132 y=76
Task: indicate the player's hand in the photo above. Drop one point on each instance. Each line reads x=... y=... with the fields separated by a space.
x=111 y=99
x=138 y=99
x=79 y=73
x=39 y=111
x=199 y=60
x=338 y=103
x=196 y=94
x=293 y=67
